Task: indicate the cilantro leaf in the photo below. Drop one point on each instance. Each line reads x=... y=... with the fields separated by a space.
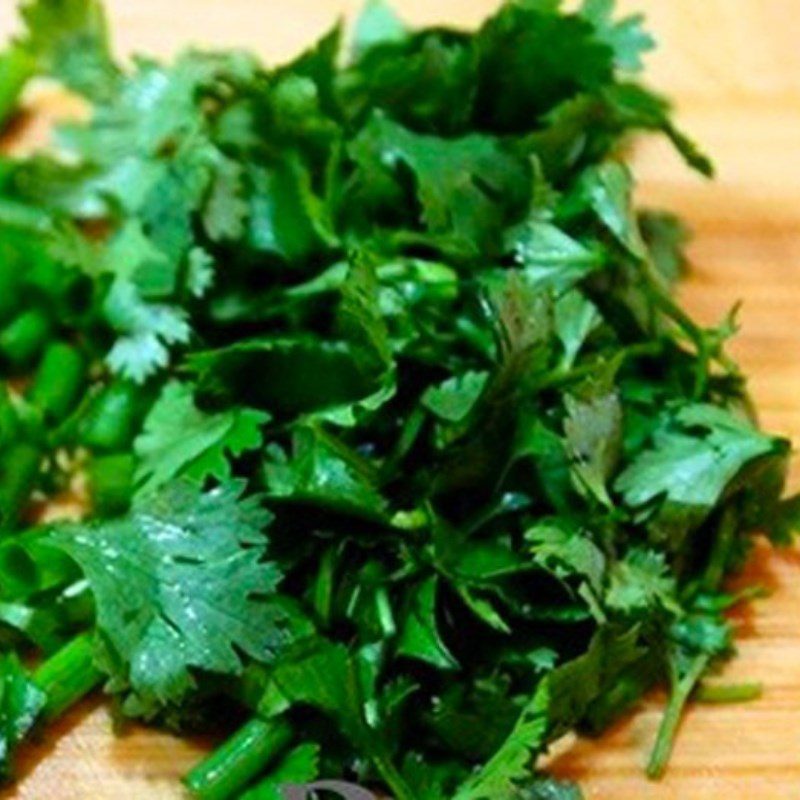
x=558 y=703
x=377 y=24
x=550 y=257
x=453 y=400
x=285 y=217
x=565 y=550
x=69 y=40
x=342 y=685
x=694 y=460
x=575 y=319
x=609 y=188
x=464 y=216
x=642 y=580
x=324 y=675
x=529 y=58
x=147 y=331
x=225 y=211
x=202 y=445
x=429 y=781
x=593 y=429
x=297 y=375
x=512 y=764
x=195 y=588
x=419 y=637
x=627 y=38
x=322 y=471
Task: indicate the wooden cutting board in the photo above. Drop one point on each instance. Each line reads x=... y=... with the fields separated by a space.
x=734 y=68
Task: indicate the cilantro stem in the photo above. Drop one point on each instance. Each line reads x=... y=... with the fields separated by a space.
x=731 y=693
x=682 y=689
x=672 y=310
x=560 y=377
x=408 y=436
x=323 y=586
x=396 y=783
x=239 y=759
x=720 y=553
x=67 y=676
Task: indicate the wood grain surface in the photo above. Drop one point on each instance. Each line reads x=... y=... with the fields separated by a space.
x=734 y=68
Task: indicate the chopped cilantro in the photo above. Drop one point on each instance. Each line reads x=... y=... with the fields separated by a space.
x=395 y=438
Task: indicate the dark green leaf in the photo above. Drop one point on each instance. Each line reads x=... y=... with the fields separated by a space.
x=200 y=447
x=419 y=636
x=70 y=42
x=195 y=586
x=692 y=463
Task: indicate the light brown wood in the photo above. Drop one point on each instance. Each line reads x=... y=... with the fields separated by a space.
x=734 y=67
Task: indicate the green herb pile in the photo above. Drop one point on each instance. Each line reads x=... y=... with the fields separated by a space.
x=398 y=459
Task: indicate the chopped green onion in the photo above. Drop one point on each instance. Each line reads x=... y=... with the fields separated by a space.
x=110 y=422
x=25 y=337
x=238 y=760
x=20 y=466
x=59 y=381
x=68 y=676
x=111 y=483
